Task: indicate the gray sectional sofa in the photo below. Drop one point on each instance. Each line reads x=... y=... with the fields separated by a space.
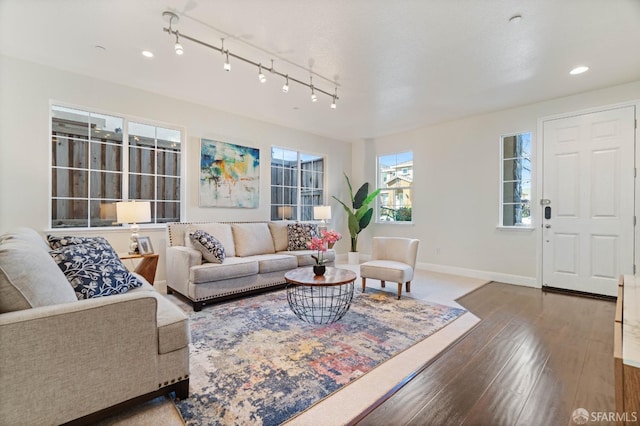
x=68 y=360
x=257 y=257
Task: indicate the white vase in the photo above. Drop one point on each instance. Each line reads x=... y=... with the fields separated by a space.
x=354 y=258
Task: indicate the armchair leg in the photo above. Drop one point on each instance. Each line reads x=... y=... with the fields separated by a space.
x=382 y=283
x=364 y=283
x=399 y=290
x=408 y=286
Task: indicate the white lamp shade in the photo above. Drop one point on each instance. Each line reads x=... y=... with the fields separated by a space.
x=322 y=212
x=133 y=211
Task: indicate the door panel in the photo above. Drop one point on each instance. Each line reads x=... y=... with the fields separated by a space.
x=588 y=177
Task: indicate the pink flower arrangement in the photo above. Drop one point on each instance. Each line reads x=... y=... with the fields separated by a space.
x=320 y=244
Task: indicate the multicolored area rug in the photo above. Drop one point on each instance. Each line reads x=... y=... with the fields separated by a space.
x=254 y=362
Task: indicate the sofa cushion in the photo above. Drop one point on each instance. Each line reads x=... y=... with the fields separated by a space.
x=173 y=331
x=222 y=232
x=56 y=242
x=29 y=278
x=304 y=256
x=252 y=238
x=275 y=262
x=299 y=234
x=94 y=270
x=279 y=234
x=212 y=249
x=28 y=235
x=233 y=267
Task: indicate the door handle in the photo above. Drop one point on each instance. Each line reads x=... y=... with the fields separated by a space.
x=547 y=226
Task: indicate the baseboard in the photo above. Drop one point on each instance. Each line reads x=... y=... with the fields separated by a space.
x=484 y=275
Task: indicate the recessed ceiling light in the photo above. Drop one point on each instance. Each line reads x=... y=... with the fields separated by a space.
x=147 y=54
x=515 y=18
x=579 y=70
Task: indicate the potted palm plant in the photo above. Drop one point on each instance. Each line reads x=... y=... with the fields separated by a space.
x=359 y=214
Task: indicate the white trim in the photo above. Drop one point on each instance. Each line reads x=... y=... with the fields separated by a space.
x=484 y=275
x=515 y=228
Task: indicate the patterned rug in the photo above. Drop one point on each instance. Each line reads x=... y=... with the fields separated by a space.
x=253 y=362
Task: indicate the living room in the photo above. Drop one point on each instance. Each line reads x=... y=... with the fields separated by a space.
x=457 y=158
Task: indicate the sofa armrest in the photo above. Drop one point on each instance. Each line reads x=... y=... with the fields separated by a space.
x=61 y=362
x=180 y=259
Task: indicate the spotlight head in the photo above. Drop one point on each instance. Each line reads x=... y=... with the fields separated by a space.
x=262 y=78
x=314 y=98
x=178 y=48
x=227 y=65
x=285 y=88
x=333 y=104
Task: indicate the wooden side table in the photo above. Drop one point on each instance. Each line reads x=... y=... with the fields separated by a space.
x=146 y=267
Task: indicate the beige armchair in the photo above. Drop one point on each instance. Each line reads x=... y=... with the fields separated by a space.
x=392 y=259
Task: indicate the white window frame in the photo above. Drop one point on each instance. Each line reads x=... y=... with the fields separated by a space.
x=297 y=207
x=411 y=187
x=501 y=225
x=125 y=166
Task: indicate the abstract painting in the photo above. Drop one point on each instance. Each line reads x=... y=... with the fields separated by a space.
x=229 y=175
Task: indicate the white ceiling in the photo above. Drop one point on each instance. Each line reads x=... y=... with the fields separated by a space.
x=399 y=64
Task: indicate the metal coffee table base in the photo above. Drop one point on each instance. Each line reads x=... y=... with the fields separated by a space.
x=320 y=304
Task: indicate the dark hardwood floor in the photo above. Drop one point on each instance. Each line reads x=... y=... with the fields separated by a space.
x=533 y=359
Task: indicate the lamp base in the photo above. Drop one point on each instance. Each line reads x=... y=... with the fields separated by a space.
x=133 y=245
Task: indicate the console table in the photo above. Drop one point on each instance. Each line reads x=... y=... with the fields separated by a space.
x=320 y=299
x=626 y=348
x=146 y=267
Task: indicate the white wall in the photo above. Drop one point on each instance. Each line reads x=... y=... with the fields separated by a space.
x=25 y=93
x=456 y=188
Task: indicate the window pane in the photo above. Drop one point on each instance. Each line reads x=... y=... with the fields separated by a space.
x=142 y=160
x=168 y=188
x=69 y=152
x=106 y=185
x=517 y=146
x=168 y=163
x=141 y=187
x=517 y=214
x=69 y=122
x=69 y=213
x=168 y=212
x=395 y=177
x=106 y=157
x=517 y=169
x=69 y=183
x=106 y=128
x=103 y=213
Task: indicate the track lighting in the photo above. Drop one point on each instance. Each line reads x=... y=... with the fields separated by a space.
x=314 y=98
x=261 y=76
x=178 y=47
x=173 y=18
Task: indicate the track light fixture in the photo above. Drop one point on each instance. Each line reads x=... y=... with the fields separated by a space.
x=178 y=47
x=261 y=76
x=173 y=18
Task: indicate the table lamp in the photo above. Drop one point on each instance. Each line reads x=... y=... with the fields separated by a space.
x=322 y=213
x=133 y=212
x=285 y=212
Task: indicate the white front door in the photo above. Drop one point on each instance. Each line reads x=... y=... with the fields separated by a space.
x=588 y=185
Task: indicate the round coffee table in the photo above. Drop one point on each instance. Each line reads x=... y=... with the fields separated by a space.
x=320 y=299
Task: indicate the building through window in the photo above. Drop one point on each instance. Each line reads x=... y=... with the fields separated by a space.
x=99 y=159
x=395 y=177
x=297 y=184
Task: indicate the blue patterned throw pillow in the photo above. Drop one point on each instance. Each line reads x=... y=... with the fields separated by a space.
x=56 y=242
x=212 y=249
x=299 y=234
x=94 y=269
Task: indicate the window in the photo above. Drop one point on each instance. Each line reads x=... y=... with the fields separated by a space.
x=516 y=180
x=99 y=159
x=395 y=177
x=297 y=184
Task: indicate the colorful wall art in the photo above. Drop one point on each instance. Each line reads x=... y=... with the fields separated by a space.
x=229 y=175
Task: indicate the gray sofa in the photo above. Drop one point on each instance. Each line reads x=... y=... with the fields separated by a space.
x=257 y=257
x=69 y=360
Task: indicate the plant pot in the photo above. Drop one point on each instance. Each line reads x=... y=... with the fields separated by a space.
x=319 y=269
x=354 y=257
